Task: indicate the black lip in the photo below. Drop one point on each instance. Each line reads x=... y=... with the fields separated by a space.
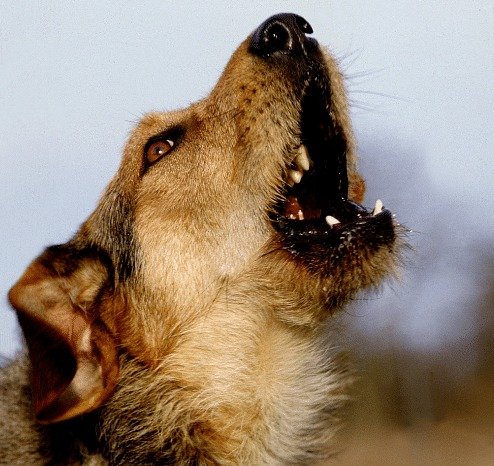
x=301 y=237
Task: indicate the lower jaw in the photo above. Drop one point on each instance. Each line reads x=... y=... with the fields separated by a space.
x=339 y=214
x=367 y=231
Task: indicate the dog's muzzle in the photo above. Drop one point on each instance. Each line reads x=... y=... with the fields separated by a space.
x=315 y=212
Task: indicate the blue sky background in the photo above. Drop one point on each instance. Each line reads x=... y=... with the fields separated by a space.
x=76 y=76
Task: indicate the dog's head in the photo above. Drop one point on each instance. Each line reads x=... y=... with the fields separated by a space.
x=248 y=196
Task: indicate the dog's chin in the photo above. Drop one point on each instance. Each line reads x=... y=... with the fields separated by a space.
x=323 y=230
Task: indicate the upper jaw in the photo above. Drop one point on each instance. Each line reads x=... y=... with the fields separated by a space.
x=315 y=201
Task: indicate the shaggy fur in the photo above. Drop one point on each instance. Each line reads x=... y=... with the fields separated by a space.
x=185 y=322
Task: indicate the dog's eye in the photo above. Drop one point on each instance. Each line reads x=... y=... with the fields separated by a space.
x=160 y=145
x=158 y=149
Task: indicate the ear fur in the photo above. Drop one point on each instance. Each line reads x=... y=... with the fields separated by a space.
x=74 y=361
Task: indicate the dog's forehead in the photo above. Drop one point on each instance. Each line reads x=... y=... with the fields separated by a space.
x=156 y=122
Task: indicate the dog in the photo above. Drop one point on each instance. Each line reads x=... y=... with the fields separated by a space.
x=185 y=321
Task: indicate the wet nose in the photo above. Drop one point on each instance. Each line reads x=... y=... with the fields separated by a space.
x=285 y=32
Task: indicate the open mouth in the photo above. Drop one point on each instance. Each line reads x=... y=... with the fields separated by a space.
x=315 y=204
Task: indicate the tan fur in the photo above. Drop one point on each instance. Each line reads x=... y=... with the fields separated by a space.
x=223 y=351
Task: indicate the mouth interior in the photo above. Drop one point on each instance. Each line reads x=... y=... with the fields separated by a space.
x=316 y=196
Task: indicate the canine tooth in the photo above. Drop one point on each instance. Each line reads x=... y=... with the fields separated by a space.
x=300 y=214
x=378 y=207
x=332 y=221
x=295 y=175
x=302 y=159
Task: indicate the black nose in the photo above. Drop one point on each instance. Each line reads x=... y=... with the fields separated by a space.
x=285 y=32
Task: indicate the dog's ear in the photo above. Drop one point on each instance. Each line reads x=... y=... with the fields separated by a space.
x=59 y=300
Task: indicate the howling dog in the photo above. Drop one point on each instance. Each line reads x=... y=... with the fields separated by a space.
x=184 y=322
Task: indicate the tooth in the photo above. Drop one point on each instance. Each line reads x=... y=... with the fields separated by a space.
x=331 y=221
x=302 y=159
x=295 y=175
x=300 y=214
x=378 y=207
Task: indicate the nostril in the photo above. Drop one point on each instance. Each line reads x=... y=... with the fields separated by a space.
x=275 y=38
x=304 y=26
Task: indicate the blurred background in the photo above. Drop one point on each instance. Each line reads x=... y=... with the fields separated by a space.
x=76 y=76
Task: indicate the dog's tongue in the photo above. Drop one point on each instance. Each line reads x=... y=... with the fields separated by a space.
x=294 y=210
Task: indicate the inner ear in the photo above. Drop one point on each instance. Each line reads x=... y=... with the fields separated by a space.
x=59 y=303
